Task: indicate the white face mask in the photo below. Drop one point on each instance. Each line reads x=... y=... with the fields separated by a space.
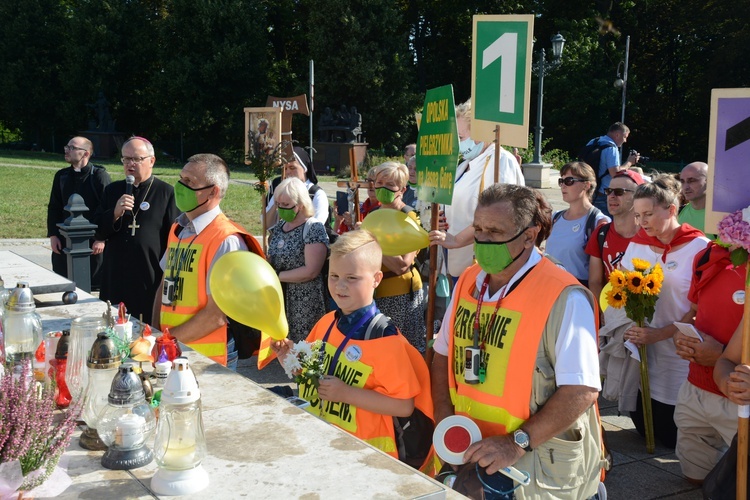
x=470 y=149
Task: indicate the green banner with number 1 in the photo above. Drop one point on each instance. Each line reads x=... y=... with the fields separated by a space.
x=501 y=70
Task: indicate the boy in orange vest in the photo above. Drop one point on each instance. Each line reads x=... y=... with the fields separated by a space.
x=369 y=380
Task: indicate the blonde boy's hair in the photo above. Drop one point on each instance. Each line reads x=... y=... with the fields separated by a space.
x=361 y=241
x=394 y=171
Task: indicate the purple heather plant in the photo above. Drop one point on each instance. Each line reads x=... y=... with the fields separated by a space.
x=31 y=430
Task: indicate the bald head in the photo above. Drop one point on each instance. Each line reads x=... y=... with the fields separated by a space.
x=694 y=179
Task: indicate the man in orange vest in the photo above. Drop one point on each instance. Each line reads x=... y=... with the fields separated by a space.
x=517 y=354
x=200 y=236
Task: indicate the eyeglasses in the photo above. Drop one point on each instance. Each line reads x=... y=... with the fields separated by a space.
x=569 y=181
x=617 y=191
x=134 y=159
x=73 y=148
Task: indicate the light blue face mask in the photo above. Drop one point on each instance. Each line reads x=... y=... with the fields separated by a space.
x=470 y=149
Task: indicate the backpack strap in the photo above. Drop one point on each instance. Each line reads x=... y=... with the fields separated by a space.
x=556 y=216
x=591 y=222
x=601 y=236
x=377 y=326
x=704 y=258
x=306 y=229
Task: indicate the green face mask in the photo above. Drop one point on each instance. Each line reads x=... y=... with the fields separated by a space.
x=186 y=198
x=287 y=214
x=385 y=195
x=494 y=256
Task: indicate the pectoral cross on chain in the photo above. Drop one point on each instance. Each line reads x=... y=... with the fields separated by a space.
x=133 y=226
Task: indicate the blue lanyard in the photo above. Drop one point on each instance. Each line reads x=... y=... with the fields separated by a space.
x=366 y=317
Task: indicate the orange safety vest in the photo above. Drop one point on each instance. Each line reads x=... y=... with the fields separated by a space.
x=195 y=257
x=382 y=365
x=501 y=404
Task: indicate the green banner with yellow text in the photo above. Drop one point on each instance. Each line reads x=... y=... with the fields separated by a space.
x=437 y=147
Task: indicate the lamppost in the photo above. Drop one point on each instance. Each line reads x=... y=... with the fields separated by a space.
x=622 y=83
x=541 y=68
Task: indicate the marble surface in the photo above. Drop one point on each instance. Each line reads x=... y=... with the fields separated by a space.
x=259 y=445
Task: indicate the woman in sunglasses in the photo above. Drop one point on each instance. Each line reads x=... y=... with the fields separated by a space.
x=572 y=228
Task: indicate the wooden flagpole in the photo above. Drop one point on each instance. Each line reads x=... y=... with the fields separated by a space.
x=497 y=155
x=743 y=411
x=432 y=291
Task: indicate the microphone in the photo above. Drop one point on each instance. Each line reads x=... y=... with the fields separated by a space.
x=129 y=180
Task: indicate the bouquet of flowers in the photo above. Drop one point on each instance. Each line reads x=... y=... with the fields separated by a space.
x=304 y=362
x=33 y=436
x=734 y=233
x=637 y=291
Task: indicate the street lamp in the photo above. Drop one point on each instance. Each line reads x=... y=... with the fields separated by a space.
x=541 y=68
x=622 y=83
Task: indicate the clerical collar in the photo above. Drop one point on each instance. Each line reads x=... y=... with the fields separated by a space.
x=83 y=170
x=145 y=183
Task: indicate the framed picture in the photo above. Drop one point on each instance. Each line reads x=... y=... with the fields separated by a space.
x=728 y=153
x=262 y=131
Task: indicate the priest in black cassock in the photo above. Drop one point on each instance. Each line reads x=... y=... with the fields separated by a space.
x=135 y=228
x=88 y=180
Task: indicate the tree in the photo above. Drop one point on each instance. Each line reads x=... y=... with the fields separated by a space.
x=30 y=56
x=361 y=55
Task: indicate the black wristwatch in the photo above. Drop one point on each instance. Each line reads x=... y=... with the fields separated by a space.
x=522 y=439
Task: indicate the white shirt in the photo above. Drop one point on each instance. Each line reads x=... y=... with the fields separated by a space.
x=195 y=227
x=576 y=352
x=468 y=185
x=667 y=371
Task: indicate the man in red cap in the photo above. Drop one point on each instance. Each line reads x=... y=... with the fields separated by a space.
x=606 y=247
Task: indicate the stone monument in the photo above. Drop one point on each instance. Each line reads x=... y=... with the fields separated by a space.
x=338 y=133
x=101 y=129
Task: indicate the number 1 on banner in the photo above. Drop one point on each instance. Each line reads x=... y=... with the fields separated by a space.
x=504 y=48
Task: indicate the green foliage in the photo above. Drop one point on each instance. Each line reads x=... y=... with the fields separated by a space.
x=557 y=157
x=180 y=71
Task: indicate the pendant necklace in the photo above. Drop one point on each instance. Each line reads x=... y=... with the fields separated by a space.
x=134 y=225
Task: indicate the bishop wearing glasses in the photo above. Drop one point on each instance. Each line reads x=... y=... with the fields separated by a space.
x=134 y=219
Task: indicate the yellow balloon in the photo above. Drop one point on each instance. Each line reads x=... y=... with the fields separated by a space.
x=396 y=232
x=247 y=289
x=603 y=296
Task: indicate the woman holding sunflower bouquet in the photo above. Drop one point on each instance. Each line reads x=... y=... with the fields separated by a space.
x=661 y=240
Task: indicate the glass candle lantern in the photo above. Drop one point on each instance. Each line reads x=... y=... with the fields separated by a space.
x=126 y=423
x=83 y=331
x=21 y=325
x=180 y=444
x=167 y=344
x=103 y=362
x=62 y=394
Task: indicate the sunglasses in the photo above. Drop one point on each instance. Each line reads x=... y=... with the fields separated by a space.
x=569 y=181
x=617 y=191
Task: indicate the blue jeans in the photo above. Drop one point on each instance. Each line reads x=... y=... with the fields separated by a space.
x=232 y=355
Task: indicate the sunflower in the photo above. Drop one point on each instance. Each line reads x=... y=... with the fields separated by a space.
x=634 y=282
x=616 y=298
x=652 y=284
x=658 y=271
x=617 y=279
x=641 y=265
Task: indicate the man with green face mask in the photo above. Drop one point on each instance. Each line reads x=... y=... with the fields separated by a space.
x=517 y=354
x=200 y=236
